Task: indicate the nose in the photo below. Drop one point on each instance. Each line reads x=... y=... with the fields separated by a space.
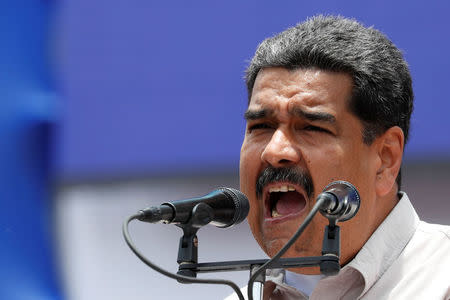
x=281 y=150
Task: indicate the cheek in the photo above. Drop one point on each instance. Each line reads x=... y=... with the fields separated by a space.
x=351 y=163
x=244 y=169
x=248 y=166
x=358 y=166
x=253 y=220
x=325 y=165
x=248 y=170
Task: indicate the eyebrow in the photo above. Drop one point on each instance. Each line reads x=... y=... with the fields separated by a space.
x=314 y=116
x=257 y=114
x=298 y=112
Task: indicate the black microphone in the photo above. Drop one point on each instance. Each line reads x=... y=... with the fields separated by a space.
x=341 y=201
x=222 y=207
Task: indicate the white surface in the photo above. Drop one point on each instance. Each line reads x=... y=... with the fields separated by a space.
x=97 y=263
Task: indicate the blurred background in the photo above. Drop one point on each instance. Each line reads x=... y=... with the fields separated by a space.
x=107 y=107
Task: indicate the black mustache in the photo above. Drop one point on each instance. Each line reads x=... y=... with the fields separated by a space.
x=287 y=174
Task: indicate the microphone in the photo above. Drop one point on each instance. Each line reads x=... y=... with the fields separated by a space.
x=341 y=201
x=223 y=207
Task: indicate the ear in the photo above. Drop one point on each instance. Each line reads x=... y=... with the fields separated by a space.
x=390 y=152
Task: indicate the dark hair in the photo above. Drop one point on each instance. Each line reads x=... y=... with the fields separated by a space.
x=382 y=95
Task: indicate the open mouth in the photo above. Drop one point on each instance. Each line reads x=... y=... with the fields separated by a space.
x=283 y=200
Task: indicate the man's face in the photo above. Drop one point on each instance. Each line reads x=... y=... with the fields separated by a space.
x=301 y=136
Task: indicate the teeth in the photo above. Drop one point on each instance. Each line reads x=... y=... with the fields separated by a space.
x=283 y=188
x=277 y=189
x=275 y=214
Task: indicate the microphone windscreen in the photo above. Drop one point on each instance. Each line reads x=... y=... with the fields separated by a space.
x=241 y=206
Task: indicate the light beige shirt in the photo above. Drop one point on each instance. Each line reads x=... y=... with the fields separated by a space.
x=405 y=258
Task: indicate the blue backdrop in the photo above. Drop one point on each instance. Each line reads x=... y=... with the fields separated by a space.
x=156 y=87
x=27 y=115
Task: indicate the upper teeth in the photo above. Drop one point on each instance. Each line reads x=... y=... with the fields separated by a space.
x=281 y=188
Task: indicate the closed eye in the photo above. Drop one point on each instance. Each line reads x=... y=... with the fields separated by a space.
x=259 y=126
x=315 y=128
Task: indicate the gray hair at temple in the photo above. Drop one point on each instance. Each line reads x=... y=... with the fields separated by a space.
x=382 y=95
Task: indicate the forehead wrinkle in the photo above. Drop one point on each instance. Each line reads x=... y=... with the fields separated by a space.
x=310 y=90
x=284 y=85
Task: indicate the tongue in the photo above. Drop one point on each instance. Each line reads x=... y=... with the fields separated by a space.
x=290 y=202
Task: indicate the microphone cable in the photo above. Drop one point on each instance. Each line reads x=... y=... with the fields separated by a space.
x=179 y=278
x=292 y=240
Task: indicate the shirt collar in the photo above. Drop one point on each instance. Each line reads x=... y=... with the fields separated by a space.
x=377 y=254
x=386 y=243
x=302 y=282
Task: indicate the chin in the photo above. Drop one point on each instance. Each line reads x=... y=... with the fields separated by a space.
x=298 y=249
x=273 y=247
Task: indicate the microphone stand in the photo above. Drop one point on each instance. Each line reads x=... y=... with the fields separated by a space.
x=338 y=202
x=188 y=254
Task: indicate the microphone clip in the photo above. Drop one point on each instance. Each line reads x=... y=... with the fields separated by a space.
x=201 y=215
x=331 y=246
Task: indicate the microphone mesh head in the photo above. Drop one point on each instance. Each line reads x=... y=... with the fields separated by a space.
x=241 y=204
x=348 y=199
